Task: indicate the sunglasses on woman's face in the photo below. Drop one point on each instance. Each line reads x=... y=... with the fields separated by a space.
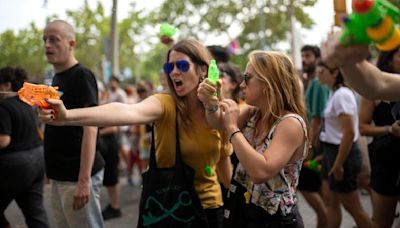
x=182 y=65
x=246 y=78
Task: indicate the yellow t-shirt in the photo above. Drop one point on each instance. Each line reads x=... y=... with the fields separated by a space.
x=200 y=146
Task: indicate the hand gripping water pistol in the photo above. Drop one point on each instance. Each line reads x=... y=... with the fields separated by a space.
x=33 y=94
x=372 y=21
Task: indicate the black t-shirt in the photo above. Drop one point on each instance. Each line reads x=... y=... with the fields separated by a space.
x=62 y=145
x=18 y=121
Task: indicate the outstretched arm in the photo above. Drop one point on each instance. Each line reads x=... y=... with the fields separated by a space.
x=112 y=114
x=371 y=82
x=364 y=77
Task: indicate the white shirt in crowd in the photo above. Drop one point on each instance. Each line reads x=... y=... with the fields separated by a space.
x=342 y=101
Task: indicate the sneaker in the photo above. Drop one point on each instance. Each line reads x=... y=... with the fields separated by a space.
x=110 y=213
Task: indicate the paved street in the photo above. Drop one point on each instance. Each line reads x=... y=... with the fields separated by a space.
x=130 y=201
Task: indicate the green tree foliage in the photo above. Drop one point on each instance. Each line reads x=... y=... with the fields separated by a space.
x=140 y=49
x=23 y=49
x=199 y=18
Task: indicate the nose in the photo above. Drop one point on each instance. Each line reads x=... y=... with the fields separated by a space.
x=46 y=43
x=242 y=85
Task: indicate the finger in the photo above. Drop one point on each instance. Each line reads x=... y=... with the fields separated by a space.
x=46 y=118
x=54 y=102
x=75 y=204
x=224 y=106
x=43 y=111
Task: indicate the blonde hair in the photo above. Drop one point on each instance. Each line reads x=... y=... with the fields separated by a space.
x=283 y=90
x=200 y=56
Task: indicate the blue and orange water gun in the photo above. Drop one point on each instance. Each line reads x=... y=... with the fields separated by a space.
x=372 y=21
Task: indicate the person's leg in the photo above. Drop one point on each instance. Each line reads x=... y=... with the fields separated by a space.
x=351 y=202
x=31 y=204
x=314 y=199
x=114 y=194
x=57 y=206
x=384 y=209
x=90 y=214
x=30 y=201
x=111 y=182
x=333 y=206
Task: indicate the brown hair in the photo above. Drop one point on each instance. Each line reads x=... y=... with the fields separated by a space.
x=200 y=56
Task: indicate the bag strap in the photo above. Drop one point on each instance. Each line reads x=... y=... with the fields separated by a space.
x=178 y=156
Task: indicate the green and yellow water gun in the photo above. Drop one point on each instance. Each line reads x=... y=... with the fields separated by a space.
x=372 y=21
x=313 y=165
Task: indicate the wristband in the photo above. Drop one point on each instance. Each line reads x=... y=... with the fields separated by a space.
x=233 y=133
x=388 y=129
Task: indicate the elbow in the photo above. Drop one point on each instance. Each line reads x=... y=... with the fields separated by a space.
x=260 y=177
x=362 y=129
x=4 y=141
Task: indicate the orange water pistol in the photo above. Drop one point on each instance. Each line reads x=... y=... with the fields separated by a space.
x=33 y=94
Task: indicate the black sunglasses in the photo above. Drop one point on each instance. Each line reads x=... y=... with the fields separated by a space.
x=182 y=65
x=246 y=78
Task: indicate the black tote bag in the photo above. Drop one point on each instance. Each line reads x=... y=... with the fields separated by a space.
x=168 y=197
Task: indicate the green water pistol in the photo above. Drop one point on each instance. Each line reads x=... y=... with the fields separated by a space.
x=167 y=30
x=372 y=21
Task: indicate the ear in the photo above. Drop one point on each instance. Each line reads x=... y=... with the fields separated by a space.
x=203 y=71
x=72 y=44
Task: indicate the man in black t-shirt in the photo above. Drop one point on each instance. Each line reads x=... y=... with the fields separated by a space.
x=72 y=161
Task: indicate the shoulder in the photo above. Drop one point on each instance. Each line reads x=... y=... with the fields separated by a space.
x=166 y=100
x=292 y=126
x=344 y=92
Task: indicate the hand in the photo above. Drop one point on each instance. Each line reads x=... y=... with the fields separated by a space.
x=336 y=55
x=205 y=93
x=230 y=113
x=396 y=128
x=319 y=158
x=168 y=41
x=56 y=114
x=81 y=195
x=337 y=172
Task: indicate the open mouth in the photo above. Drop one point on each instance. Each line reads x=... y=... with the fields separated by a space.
x=178 y=83
x=49 y=53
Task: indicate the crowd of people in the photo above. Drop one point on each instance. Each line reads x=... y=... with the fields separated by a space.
x=250 y=139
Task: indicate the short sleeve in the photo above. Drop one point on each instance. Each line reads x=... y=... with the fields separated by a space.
x=86 y=91
x=168 y=106
x=320 y=100
x=344 y=103
x=5 y=121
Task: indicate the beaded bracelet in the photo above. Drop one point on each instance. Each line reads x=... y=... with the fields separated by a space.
x=233 y=133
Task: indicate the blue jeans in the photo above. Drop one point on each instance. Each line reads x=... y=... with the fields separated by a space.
x=62 y=197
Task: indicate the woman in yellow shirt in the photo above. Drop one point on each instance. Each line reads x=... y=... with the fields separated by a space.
x=186 y=66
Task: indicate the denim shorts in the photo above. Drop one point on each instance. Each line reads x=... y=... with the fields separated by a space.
x=351 y=167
